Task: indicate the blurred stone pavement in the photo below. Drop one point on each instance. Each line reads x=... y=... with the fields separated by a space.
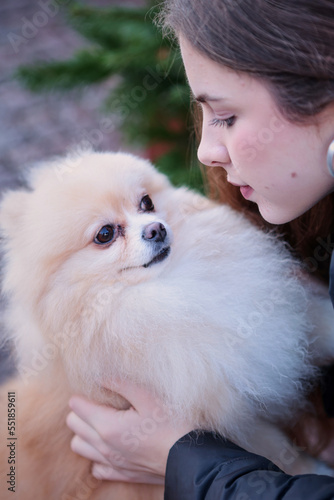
x=35 y=127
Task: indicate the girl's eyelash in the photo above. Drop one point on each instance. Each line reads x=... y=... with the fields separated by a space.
x=228 y=122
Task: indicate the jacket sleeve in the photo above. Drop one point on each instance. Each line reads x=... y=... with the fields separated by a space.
x=204 y=467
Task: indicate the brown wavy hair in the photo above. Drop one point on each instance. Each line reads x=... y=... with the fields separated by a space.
x=288 y=45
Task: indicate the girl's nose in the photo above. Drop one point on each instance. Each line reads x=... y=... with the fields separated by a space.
x=211 y=151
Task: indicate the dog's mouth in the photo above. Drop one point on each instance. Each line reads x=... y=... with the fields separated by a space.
x=159 y=257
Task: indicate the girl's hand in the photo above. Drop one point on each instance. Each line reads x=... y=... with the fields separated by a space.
x=130 y=445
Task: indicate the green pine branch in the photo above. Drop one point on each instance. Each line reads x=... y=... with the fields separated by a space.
x=116 y=27
x=152 y=96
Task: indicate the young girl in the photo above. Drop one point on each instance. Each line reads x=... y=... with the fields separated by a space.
x=262 y=72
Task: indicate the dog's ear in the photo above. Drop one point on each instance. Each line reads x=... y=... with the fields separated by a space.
x=12 y=208
x=190 y=202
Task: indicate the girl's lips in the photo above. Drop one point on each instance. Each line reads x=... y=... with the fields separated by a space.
x=246 y=191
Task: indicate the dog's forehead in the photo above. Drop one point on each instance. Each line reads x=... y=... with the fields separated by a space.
x=116 y=173
x=99 y=187
x=100 y=181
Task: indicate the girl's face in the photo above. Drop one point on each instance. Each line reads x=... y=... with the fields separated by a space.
x=278 y=165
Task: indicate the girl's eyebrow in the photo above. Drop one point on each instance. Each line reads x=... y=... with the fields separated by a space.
x=206 y=98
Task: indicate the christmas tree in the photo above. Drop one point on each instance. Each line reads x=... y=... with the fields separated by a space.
x=152 y=96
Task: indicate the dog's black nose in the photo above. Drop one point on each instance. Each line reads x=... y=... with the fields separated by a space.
x=155 y=232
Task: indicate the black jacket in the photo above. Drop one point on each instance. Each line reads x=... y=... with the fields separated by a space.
x=203 y=467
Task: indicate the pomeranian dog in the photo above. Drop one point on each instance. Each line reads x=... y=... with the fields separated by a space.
x=111 y=273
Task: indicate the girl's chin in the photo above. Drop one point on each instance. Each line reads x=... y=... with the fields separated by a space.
x=273 y=216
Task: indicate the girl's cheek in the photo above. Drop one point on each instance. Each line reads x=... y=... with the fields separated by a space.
x=257 y=137
x=246 y=152
x=246 y=147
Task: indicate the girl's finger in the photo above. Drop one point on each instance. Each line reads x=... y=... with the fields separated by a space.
x=101 y=471
x=84 y=449
x=106 y=472
x=91 y=413
x=82 y=429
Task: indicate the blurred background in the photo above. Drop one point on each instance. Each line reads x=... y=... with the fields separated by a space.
x=90 y=73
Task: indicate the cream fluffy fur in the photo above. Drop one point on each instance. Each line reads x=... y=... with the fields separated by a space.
x=224 y=329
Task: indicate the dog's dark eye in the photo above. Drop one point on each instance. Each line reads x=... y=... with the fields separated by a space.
x=146 y=204
x=105 y=235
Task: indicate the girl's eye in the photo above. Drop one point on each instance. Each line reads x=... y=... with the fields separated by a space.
x=146 y=204
x=105 y=235
x=228 y=122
